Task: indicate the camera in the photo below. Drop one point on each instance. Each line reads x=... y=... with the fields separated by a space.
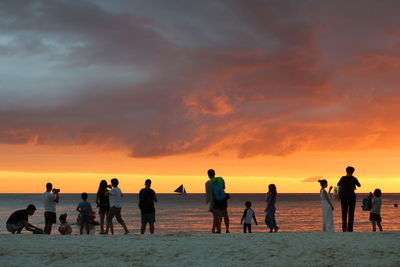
x=56 y=190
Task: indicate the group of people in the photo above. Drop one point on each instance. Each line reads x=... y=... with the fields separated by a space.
x=217 y=200
x=346 y=193
x=108 y=201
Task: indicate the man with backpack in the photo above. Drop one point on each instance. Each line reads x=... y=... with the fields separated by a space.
x=217 y=200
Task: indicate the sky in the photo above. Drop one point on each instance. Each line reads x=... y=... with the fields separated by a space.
x=282 y=92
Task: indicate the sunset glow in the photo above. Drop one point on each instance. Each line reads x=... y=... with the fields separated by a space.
x=263 y=92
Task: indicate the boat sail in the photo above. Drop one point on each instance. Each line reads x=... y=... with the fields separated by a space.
x=181 y=190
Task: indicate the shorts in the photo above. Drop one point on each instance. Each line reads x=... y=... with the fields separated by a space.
x=149 y=217
x=374 y=217
x=17 y=227
x=104 y=209
x=49 y=217
x=221 y=204
x=84 y=219
x=114 y=212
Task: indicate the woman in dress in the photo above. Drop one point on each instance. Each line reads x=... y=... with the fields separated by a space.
x=270 y=216
x=327 y=208
x=103 y=202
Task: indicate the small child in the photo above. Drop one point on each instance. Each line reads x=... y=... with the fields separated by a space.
x=85 y=209
x=65 y=228
x=248 y=215
x=375 y=216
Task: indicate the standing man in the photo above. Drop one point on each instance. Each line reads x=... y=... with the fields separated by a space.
x=50 y=199
x=115 y=195
x=19 y=220
x=147 y=197
x=217 y=201
x=347 y=185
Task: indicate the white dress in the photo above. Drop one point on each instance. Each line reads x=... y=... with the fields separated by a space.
x=327 y=216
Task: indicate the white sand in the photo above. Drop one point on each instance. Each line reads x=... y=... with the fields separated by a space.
x=183 y=249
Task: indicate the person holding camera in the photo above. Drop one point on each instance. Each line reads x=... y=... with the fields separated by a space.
x=50 y=199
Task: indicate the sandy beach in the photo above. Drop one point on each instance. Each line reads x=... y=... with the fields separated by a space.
x=184 y=249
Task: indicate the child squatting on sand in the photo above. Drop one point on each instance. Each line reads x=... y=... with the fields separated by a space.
x=85 y=209
x=375 y=213
x=65 y=228
x=248 y=216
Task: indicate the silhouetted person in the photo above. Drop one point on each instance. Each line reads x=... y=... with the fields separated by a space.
x=50 y=198
x=147 y=197
x=217 y=200
x=248 y=217
x=347 y=185
x=375 y=213
x=270 y=210
x=85 y=210
x=103 y=203
x=115 y=195
x=209 y=195
x=65 y=228
x=327 y=207
x=19 y=220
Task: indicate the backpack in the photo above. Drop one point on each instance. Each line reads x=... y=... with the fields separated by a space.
x=367 y=203
x=218 y=189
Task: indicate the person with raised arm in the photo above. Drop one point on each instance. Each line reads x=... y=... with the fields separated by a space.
x=103 y=203
x=327 y=208
x=50 y=199
x=115 y=195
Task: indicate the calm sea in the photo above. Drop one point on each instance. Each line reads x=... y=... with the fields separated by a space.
x=175 y=213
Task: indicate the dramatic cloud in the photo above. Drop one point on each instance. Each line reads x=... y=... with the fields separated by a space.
x=159 y=78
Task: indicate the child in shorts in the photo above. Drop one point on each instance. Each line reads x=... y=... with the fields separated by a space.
x=375 y=214
x=65 y=228
x=85 y=209
x=248 y=216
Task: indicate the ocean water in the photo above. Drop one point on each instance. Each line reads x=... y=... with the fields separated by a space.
x=175 y=213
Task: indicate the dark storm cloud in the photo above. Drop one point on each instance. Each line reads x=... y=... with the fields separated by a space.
x=162 y=78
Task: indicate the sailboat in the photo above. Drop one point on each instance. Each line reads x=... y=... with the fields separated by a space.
x=181 y=190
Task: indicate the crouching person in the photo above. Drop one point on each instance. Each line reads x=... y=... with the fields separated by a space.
x=19 y=220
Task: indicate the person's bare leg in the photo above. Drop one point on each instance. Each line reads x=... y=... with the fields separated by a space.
x=380 y=226
x=48 y=228
x=213 y=224
x=373 y=227
x=217 y=220
x=151 y=226
x=122 y=223
x=102 y=215
x=143 y=228
x=110 y=227
x=226 y=221
x=81 y=228
x=88 y=228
